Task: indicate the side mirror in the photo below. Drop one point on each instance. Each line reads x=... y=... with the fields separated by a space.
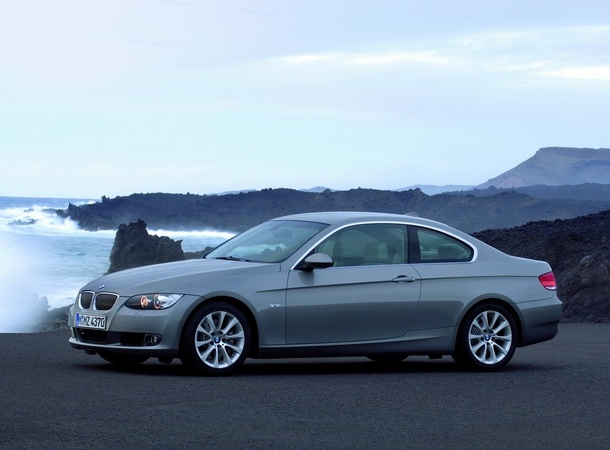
x=316 y=261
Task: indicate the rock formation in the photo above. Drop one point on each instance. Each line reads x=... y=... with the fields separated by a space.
x=578 y=250
x=134 y=247
x=587 y=290
x=238 y=212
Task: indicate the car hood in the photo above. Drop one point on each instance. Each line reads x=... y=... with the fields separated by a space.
x=183 y=277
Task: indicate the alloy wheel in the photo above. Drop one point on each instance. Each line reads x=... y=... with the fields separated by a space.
x=219 y=339
x=490 y=337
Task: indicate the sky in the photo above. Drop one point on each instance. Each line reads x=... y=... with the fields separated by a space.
x=114 y=97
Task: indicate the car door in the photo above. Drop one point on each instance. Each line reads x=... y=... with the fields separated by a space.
x=449 y=279
x=368 y=294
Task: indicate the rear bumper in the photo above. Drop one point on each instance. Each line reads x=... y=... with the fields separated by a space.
x=540 y=320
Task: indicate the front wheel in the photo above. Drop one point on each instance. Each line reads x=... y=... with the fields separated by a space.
x=216 y=339
x=486 y=339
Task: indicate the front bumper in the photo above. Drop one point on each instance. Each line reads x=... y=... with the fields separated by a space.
x=155 y=333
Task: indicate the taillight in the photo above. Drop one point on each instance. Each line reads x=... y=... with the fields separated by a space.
x=548 y=281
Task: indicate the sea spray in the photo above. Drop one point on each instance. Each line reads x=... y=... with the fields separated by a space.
x=47 y=259
x=21 y=310
x=193 y=241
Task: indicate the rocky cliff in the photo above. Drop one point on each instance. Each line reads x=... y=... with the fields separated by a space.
x=237 y=212
x=578 y=250
x=134 y=247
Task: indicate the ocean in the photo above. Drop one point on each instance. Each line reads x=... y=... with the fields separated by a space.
x=45 y=260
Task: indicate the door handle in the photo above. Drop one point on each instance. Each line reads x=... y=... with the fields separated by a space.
x=403 y=279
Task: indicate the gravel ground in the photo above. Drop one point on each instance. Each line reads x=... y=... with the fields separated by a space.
x=552 y=395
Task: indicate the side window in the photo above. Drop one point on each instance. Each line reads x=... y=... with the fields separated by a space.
x=370 y=244
x=433 y=246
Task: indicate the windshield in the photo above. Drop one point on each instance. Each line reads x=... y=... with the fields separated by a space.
x=271 y=242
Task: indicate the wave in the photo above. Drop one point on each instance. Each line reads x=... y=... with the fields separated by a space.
x=200 y=234
x=45 y=259
x=38 y=216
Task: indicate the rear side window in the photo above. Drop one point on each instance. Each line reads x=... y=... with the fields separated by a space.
x=430 y=246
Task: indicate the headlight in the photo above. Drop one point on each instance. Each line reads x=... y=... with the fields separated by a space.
x=152 y=301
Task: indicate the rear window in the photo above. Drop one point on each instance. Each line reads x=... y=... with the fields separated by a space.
x=429 y=246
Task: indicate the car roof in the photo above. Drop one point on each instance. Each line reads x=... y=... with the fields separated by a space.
x=337 y=219
x=341 y=217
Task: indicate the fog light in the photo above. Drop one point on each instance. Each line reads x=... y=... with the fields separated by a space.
x=152 y=339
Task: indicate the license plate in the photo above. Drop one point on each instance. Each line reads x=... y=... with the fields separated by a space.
x=87 y=321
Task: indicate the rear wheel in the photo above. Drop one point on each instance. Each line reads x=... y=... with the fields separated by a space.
x=216 y=339
x=486 y=339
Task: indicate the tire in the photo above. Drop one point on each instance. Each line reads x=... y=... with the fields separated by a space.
x=216 y=339
x=388 y=359
x=121 y=359
x=487 y=338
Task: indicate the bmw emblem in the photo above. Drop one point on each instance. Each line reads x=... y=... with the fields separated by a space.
x=102 y=286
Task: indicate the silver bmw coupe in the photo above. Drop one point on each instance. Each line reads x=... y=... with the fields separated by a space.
x=383 y=286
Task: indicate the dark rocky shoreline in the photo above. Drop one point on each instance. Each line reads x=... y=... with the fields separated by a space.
x=469 y=211
x=578 y=250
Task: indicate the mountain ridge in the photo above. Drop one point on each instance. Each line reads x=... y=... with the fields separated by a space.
x=557 y=166
x=566 y=225
x=237 y=212
x=469 y=210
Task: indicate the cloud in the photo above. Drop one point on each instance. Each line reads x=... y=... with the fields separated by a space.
x=556 y=52
x=368 y=59
x=580 y=52
x=597 y=73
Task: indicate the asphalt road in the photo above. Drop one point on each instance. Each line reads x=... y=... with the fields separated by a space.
x=552 y=395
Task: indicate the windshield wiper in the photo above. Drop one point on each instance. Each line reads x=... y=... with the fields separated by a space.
x=232 y=258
